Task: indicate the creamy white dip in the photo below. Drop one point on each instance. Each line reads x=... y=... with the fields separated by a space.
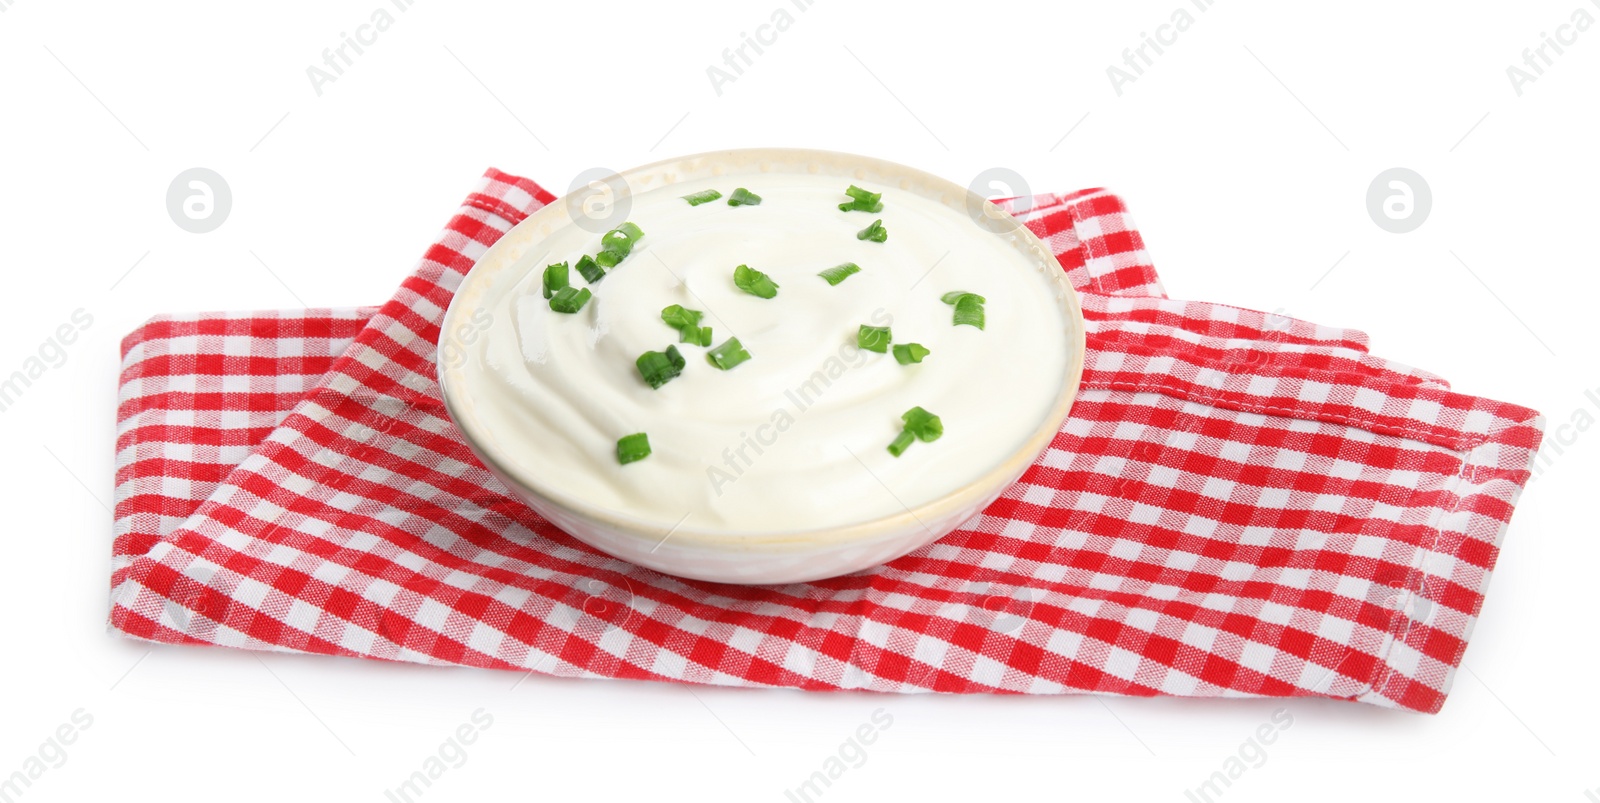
x=796 y=437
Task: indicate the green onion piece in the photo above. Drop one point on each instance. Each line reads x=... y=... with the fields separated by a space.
x=659 y=368
x=754 y=282
x=920 y=425
x=695 y=335
x=876 y=232
x=620 y=239
x=628 y=229
x=909 y=353
x=955 y=295
x=969 y=307
x=727 y=355
x=569 y=299
x=923 y=424
x=687 y=322
x=589 y=270
x=873 y=338
x=969 y=311
x=839 y=273
x=862 y=195
x=861 y=201
x=555 y=278
x=633 y=448
x=679 y=318
x=898 y=446
x=744 y=197
x=617 y=244
x=702 y=197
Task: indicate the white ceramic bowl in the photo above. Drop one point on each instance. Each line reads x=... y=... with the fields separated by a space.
x=759 y=557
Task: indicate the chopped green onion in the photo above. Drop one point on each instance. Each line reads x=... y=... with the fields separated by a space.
x=743 y=197
x=629 y=230
x=898 y=446
x=919 y=425
x=861 y=201
x=621 y=239
x=955 y=295
x=969 y=307
x=923 y=424
x=555 y=278
x=589 y=270
x=569 y=299
x=659 y=368
x=677 y=317
x=969 y=311
x=617 y=244
x=702 y=197
x=727 y=355
x=687 y=322
x=754 y=282
x=862 y=195
x=876 y=232
x=839 y=273
x=633 y=448
x=909 y=353
x=873 y=338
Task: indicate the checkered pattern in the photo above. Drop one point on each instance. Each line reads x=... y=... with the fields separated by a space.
x=1240 y=504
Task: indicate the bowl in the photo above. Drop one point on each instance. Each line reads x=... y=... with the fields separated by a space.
x=795 y=552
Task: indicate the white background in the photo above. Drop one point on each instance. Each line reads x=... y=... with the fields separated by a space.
x=1245 y=151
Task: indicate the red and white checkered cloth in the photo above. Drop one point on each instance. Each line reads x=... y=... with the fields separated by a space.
x=1239 y=504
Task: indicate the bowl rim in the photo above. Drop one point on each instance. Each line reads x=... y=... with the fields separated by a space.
x=666 y=172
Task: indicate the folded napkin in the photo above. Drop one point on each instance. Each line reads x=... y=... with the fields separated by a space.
x=1240 y=504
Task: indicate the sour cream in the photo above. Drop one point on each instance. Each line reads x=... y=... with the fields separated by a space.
x=796 y=437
